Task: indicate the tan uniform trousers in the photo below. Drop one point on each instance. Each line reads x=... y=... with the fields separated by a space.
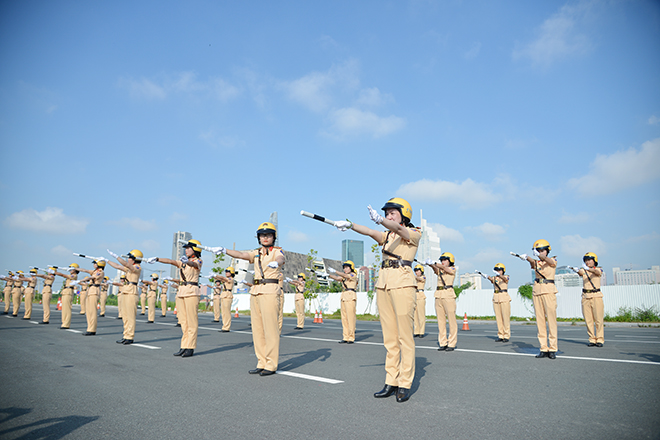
x=445 y=309
x=7 y=293
x=67 y=306
x=265 y=332
x=420 y=314
x=545 y=306
x=226 y=313
x=120 y=304
x=188 y=318
x=143 y=302
x=46 y=295
x=217 y=305
x=178 y=306
x=128 y=312
x=300 y=312
x=103 y=298
x=397 y=313
x=16 y=299
x=163 y=305
x=503 y=317
x=151 y=302
x=90 y=306
x=29 y=294
x=594 y=312
x=280 y=313
x=83 y=302
x=348 y=319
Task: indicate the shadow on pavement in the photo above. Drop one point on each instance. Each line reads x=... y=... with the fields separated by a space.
x=420 y=371
x=223 y=348
x=46 y=429
x=304 y=358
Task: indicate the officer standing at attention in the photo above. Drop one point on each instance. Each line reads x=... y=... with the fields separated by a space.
x=131 y=267
x=46 y=293
x=17 y=292
x=123 y=282
x=264 y=297
x=29 y=293
x=299 y=284
x=396 y=292
x=280 y=311
x=163 y=298
x=217 y=291
x=593 y=308
x=152 y=295
x=67 y=294
x=143 y=297
x=95 y=279
x=9 y=283
x=420 y=310
x=103 y=298
x=348 y=280
x=544 y=297
x=188 y=294
x=445 y=301
x=226 y=297
x=501 y=303
x=83 y=297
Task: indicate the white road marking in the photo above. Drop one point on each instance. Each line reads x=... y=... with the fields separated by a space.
x=308 y=377
x=73 y=331
x=627 y=336
x=151 y=347
x=34 y=322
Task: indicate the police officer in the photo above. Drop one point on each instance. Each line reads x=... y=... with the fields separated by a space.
x=95 y=279
x=29 y=293
x=152 y=295
x=396 y=292
x=544 y=297
x=83 y=297
x=47 y=293
x=226 y=297
x=501 y=302
x=593 y=308
x=143 y=297
x=217 y=291
x=17 y=292
x=445 y=301
x=420 y=310
x=103 y=298
x=131 y=267
x=299 y=285
x=67 y=294
x=280 y=311
x=9 y=284
x=163 y=298
x=264 y=300
x=123 y=282
x=348 y=280
x=188 y=294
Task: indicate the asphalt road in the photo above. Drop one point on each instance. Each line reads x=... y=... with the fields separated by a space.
x=59 y=384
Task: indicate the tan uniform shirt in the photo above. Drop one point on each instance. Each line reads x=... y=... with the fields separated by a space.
x=349 y=287
x=590 y=282
x=421 y=284
x=499 y=296
x=300 y=292
x=227 y=287
x=190 y=275
x=402 y=276
x=153 y=291
x=261 y=257
x=543 y=268
x=132 y=287
x=445 y=289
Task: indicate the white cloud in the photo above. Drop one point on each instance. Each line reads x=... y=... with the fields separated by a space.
x=143 y=88
x=61 y=251
x=558 y=37
x=182 y=83
x=446 y=234
x=297 y=237
x=654 y=120
x=178 y=217
x=644 y=238
x=620 y=170
x=136 y=223
x=225 y=141
x=581 y=217
x=51 y=220
x=467 y=194
x=488 y=255
x=576 y=246
x=490 y=231
x=473 y=51
x=373 y=98
x=352 y=121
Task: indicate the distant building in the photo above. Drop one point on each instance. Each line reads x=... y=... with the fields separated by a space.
x=565 y=277
x=273 y=220
x=429 y=248
x=473 y=278
x=177 y=249
x=630 y=277
x=353 y=250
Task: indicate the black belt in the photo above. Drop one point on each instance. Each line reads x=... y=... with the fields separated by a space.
x=95 y=285
x=540 y=281
x=395 y=263
x=48 y=285
x=444 y=287
x=590 y=290
x=131 y=282
x=500 y=291
x=190 y=283
x=266 y=281
x=349 y=290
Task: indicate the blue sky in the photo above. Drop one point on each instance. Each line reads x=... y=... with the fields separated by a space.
x=505 y=122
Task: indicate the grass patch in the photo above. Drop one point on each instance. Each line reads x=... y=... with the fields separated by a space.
x=637 y=314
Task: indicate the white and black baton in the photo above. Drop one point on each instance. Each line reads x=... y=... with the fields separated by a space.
x=318 y=217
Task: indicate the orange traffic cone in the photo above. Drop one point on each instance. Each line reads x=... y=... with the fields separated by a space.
x=59 y=303
x=466 y=327
x=98 y=307
x=316 y=317
x=236 y=314
x=321 y=317
x=175 y=310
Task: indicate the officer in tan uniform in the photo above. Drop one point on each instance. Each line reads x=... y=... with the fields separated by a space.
x=143 y=297
x=445 y=301
x=280 y=311
x=163 y=298
x=123 y=282
x=396 y=292
x=95 y=279
x=83 y=298
x=544 y=297
x=217 y=291
x=420 y=310
x=188 y=294
x=103 y=298
x=131 y=267
x=47 y=293
x=593 y=308
x=501 y=303
x=348 y=280
x=67 y=294
x=17 y=291
x=226 y=297
x=299 y=285
x=9 y=284
x=29 y=293
x=152 y=296
x=264 y=300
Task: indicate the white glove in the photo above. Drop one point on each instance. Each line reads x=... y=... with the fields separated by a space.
x=219 y=250
x=343 y=225
x=523 y=257
x=584 y=266
x=50 y=271
x=496 y=272
x=74 y=283
x=536 y=253
x=574 y=269
x=428 y=262
x=243 y=282
x=374 y=216
x=331 y=270
x=184 y=259
x=484 y=276
x=251 y=272
x=288 y=280
x=274 y=264
x=113 y=254
x=151 y=260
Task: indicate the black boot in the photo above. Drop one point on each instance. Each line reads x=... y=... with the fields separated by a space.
x=256 y=371
x=187 y=353
x=402 y=395
x=552 y=355
x=543 y=354
x=179 y=353
x=89 y=334
x=128 y=341
x=387 y=391
x=121 y=341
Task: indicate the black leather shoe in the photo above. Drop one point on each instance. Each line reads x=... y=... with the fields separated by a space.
x=402 y=395
x=256 y=371
x=141 y=313
x=450 y=348
x=180 y=352
x=223 y=331
x=297 y=328
x=102 y=315
x=150 y=322
x=177 y=325
x=118 y=317
x=442 y=348
x=421 y=336
x=187 y=353
x=128 y=341
x=543 y=354
x=25 y=318
x=505 y=340
x=552 y=355
x=89 y=334
x=5 y=313
x=64 y=328
x=343 y=342
x=266 y=373
x=599 y=344
x=215 y=321
x=591 y=344
x=44 y=322
x=350 y=342
x=121 y=341
x=499 y=340
x=387 y=391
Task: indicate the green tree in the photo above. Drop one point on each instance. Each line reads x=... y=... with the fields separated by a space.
x=311 y=284
x=375 y=250
x=526 y=292
x=458 y=290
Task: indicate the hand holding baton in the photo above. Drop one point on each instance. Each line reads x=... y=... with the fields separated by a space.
x=521 y=256
x=486 y=277
x=90 y=257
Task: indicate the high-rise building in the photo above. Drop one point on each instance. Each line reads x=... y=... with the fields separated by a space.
x=353 y=250
x=177 y=249
x=629 y=276
x=273 y=220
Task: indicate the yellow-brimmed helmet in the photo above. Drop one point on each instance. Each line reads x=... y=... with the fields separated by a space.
x=154 y=276
x=33 y=270
x=10 y=273
x=500 y=266
x=266 y=228
x=99 y=263
x=539 y=245
x=136 y=255
x=106 y=278
x=402 y=205
x=231 y=270
x=448 y=256
x=164 y=281
x=194 y=245
x=74 y=266
x=122 y=276
x=302 y=275
x=19 y=271
x=350 y=264
x=419 y=267
x=590 y=256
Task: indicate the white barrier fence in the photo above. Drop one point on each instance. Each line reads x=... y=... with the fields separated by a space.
x=479 y=302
